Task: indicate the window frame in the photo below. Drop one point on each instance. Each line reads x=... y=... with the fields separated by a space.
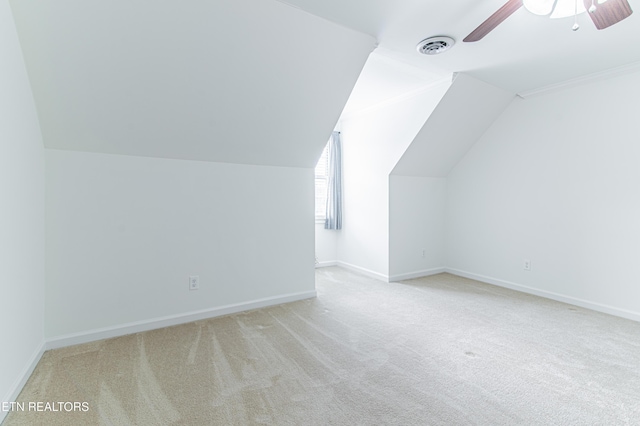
x=321 y=183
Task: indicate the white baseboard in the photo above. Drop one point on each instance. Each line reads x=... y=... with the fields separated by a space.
x=364 y=271
x=594 y=306
x=30 y=365
x=327 y=263
x=416 y=274
x=155 y=323
x=387 y=278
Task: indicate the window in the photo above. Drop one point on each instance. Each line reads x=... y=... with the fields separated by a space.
x=322 y=178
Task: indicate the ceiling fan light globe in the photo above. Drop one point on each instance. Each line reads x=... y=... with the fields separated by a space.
x=539 y=7
x=566 y=8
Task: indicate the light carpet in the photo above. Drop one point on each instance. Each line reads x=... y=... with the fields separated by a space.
x=440 y=350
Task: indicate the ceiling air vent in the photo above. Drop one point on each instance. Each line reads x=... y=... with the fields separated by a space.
x=435 y=45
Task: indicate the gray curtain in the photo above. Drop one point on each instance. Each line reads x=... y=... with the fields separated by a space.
x=333 y=215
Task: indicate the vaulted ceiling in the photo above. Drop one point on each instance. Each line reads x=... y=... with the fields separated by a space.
x=461 y=117
x=238 y=81
x=523 y=53
x=265 y=81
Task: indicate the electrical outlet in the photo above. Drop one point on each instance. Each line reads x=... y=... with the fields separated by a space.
x=424 y=252
x=527 y=265
x=194 y=282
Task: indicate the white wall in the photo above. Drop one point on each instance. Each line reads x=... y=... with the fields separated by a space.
x=21 y=217
x=124 y=233
x=373 y=142
x=556 y=180
x=416 y=226
x=326 y=245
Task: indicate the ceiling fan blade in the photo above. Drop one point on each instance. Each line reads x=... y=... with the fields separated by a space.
x=494 y=20
x=609 y=13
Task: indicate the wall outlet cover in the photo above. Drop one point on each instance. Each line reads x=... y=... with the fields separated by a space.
x=194 y=282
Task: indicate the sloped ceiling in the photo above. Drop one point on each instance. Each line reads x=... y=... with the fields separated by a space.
x=524 y=52
x=466 y=111
x=238 y=81
x=384 y=80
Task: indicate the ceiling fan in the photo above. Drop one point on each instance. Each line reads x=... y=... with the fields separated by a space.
x=603 y=13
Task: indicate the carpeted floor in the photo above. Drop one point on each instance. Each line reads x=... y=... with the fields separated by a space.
x=440 y=350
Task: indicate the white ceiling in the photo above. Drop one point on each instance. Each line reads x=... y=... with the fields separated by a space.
x=236 y=81
x=525 y=52
x=384 y=79
x=461 y=117
x=261 y=82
